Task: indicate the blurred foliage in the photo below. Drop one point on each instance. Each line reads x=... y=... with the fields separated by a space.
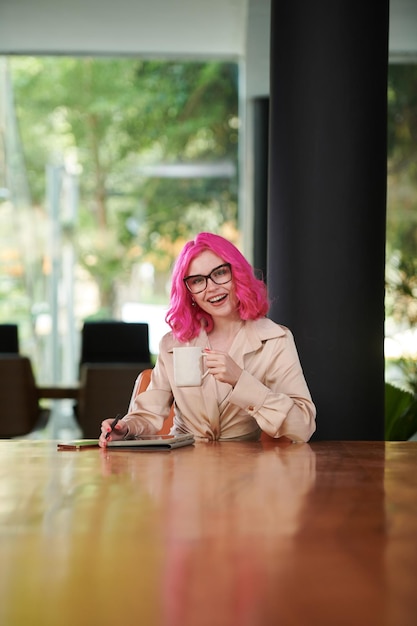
x=109 y=118
x=401 y=287
x=400 y=413
x=408 y=368
x=402 y=165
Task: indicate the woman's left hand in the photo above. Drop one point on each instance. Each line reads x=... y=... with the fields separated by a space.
x=222 y=366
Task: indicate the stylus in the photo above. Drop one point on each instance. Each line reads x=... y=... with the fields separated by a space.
x=113 y=424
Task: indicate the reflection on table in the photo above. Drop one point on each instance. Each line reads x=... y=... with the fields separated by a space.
x=221 y=534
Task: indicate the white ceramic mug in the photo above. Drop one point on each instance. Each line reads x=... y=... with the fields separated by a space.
x=188 y=371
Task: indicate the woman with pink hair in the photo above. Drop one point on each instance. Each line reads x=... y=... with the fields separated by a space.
x=253 y=379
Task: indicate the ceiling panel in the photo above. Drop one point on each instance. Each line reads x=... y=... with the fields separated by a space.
x=156 y=27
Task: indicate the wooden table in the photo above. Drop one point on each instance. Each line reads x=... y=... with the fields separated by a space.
x=222 y=534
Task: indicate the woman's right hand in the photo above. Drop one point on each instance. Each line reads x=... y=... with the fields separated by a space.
x=119 y=432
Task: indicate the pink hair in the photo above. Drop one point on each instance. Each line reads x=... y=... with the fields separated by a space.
x=185 y=319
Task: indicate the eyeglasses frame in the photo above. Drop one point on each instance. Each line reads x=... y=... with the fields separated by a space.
x=207 y=277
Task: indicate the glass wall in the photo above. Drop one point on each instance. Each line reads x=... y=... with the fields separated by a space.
x=401 y=269
x=107 y=166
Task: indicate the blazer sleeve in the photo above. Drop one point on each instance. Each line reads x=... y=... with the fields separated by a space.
x=274 y=392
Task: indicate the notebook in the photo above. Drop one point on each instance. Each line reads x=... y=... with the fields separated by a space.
x=77 y=444
x=152 y=442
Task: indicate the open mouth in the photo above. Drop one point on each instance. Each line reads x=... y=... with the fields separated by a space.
x=217 y=299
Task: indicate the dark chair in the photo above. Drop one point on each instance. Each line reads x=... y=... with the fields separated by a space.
x=115 y=342
x=9 y=339
x=113 y=353
x=20 y=411
x=105 y=390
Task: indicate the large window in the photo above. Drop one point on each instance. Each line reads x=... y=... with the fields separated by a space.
x=107 y=166
x=401 y=271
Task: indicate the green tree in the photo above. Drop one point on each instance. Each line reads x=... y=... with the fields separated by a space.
x=402 y=193
x=402 y=157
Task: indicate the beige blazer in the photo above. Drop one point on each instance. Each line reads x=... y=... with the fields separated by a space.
x=270 y=395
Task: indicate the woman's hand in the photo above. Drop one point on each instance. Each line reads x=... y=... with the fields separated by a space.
x=120 y=430
x=222 y=366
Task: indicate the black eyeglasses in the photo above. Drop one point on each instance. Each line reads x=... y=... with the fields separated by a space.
x=221 y=275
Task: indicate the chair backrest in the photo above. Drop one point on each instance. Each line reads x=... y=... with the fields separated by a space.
x=141 y=385
x=115 y=342
x=9 y=339
x=105 y=389
x=19 y=406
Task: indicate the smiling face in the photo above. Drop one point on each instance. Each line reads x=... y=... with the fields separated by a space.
x=217 y=300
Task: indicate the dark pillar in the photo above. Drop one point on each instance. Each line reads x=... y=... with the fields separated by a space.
x=260 y=182
x=327 y=186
